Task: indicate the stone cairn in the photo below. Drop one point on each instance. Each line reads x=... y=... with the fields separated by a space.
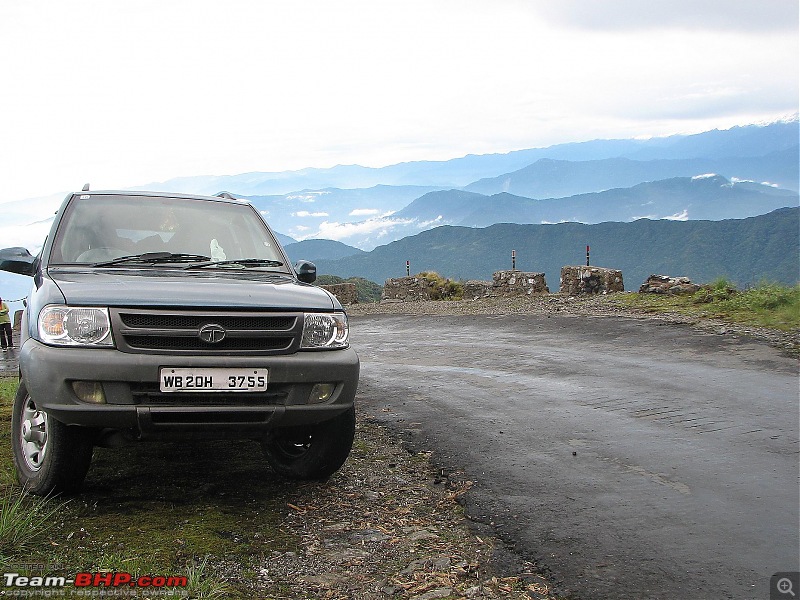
x=345 y=292
x=577 y=281
x=663 y=284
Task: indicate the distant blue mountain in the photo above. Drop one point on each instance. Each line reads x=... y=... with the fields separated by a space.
x=748 y=141
x=284 y=240
x=314 y=250
x=709 y=197
x=365 y=207
x=548 y=178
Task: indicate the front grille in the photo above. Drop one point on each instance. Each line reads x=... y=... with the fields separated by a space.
x=178 y=332
x=143 y=342
x=170 y=321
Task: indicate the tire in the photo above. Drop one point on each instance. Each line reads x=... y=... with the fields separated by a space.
x=50 y=457
x=313 y=452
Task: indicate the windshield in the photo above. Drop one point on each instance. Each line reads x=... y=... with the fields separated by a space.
x=98 y=229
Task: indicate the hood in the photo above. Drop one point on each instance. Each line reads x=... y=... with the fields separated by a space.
x=172 y=288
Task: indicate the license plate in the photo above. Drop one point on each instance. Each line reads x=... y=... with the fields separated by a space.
x=213 y=380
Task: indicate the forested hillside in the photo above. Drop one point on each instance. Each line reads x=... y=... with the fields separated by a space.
x=745 y=251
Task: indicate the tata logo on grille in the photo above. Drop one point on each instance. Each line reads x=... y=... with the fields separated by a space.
x=212 y=333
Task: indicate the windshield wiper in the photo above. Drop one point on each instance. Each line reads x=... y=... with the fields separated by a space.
x=153 y=258
x=243 y=262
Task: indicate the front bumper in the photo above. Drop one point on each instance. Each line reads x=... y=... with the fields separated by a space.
x=134 y=403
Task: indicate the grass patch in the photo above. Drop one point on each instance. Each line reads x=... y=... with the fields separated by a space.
x=204 y=585
x=765 y=305
x=189 y=509
x=24 y=520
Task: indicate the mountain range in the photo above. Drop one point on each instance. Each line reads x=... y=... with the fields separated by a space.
x=701 y=197
x=745 y=141
x=746 y=251
x=368 y=207
x=357 y=213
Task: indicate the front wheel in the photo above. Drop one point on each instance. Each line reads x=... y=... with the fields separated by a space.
x=50 y=457
x=314 y=451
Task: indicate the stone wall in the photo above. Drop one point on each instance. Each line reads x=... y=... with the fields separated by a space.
x=346 y=293
x=474 y=289
x=663 y=284
x=518 y=283
x=407 y=289
x=576 y=281
x=504 y=283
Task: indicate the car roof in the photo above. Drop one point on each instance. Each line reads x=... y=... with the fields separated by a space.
x=143 y=193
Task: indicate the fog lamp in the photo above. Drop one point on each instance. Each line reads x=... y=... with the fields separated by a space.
x=321 y=392
x=89 y=391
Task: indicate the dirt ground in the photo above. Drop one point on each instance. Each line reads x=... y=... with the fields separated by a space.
x=387 y=525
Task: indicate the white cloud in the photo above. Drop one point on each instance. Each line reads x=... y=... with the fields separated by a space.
x=432 y=223
x=305 y=213
x=704 y=176
x=681 y=216
x=363 y=212
x=723 y=15
x=308 y=196
x=737 y=66
x=340 y=231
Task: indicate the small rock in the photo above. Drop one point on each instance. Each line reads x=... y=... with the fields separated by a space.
x=418 y=536
x=368 y=535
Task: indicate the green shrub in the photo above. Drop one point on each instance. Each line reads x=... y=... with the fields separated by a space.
x=441 y=288
x=719 y=289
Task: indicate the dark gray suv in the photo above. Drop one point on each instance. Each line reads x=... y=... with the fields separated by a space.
x=175 y=317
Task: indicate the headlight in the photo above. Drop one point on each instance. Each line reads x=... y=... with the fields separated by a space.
x=325 y=330
x=75 y=326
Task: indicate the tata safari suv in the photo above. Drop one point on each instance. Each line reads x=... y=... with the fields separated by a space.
x=175 y=317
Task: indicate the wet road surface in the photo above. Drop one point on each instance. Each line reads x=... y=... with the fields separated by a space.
x=629 y=459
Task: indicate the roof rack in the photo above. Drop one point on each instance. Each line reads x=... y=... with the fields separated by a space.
x=225 y=195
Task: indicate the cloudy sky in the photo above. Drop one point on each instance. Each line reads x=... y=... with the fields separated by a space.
x=128 y=92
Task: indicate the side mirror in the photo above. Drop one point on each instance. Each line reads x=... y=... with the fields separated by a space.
x=18 y=260
x=306 y=271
